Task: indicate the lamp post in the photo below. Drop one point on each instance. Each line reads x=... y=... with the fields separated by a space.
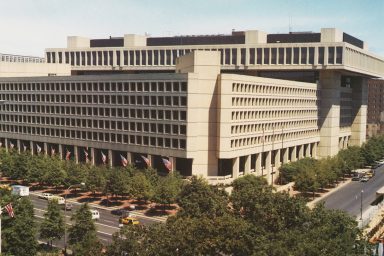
x=65 y=214
x=361 y=207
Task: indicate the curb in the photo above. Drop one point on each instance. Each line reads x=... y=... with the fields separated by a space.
x=312 y=203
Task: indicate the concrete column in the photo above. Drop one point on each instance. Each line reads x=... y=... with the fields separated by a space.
x=285 y=155
x=258 y=164
x=173 y=163
x=329 y=112
x=150 y=160
x=18 y=146
x=61 y=151
x=31 y=147
x=129 y=158
x=235 y=167
x=345 y=142
x=359 y=110
x=293 y=154
x=76 y=153
x=268 y=167
x=301 y=151
x=277 y=158
x=314 y=150
x=110 y=158
x=45 y=148
x=6 y=141
x=92 y=153
x=247 y=164
x=308 y=150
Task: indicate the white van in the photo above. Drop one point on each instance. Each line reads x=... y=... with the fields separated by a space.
x=60 y=200
x=95 y=214
x=20 y=190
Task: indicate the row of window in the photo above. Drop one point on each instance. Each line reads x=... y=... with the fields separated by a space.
x=19 y=58
x=99 y=99
x=276 y=127
x=271 y=89
x=229 y=56
x=97 y=86
x=277 y=138
x=247 y=101
x=152 y=114
x=161 y=128
x=143 y=140
x=252 y=115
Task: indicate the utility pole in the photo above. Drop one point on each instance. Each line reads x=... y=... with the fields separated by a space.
x=361 y=207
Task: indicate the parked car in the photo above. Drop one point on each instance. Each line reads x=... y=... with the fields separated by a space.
x=129 y=221
x=357 y=177
x=19 y=190
x=59 y=199
x=45 y=196
x=365 y=178
x=95 y=214
x=68 y=206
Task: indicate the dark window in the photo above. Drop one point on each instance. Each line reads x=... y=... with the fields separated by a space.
x=259 y=54
x=321 y=55
x=252 y=56
x=339 y=55
x=288 y=55
x=331 y=55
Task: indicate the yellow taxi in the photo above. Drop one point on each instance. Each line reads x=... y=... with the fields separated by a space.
x=129 y=221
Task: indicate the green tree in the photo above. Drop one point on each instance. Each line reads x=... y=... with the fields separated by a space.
x=352 y=157
x=141 y=187
x=19 y=233
x=118 y=182
x=55 y=174
x=96 y=180
x=82 y=234
x=53 y=225
x=167 y=189
x=75 y=173
x=197 y=199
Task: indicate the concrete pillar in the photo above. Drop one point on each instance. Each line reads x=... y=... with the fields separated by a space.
x=31 y=147
x=285 y=155
x=110 y=158
x=277 y=158
x=76 y=153
x=258 y=164
x=293 y=154
x=18 y=146
x=330 y=82
x=92 y=153
x=268 y=167
x=61 y=151
x=45 y=147
x=129 y=158
x=6 y=141
x=301 y=151
x=247 y=164
x=235 y=167
x=314 y=150
x=308 y=150
x=359 y=110
x=150 y=160
x=173 y=163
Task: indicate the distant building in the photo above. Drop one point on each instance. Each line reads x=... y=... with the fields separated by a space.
x=375 y=115
x=218 y=106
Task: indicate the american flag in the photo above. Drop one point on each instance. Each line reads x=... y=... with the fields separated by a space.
x=9 y=209
x=24 y=147
x=103 y=157
x=52 y=151
x=167 y=164
x=146 y=160
x=124 y=161
x=68 y=155
x=38 y=148
x=86 y=156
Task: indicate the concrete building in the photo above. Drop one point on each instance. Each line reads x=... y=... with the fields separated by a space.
x=375 y=116
x=218 y=106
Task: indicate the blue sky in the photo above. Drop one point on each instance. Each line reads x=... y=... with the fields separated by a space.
x=27 y=27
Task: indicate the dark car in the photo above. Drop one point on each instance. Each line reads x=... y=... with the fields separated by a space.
x=357 y=177
x=120 y=212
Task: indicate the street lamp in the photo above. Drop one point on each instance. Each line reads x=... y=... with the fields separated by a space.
x=65 y=214
x=361 y=207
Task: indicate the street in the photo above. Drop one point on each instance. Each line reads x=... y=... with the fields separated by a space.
x=106 y=226
x=348 y=198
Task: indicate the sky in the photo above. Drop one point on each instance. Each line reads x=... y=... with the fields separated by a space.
x=28 y=27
